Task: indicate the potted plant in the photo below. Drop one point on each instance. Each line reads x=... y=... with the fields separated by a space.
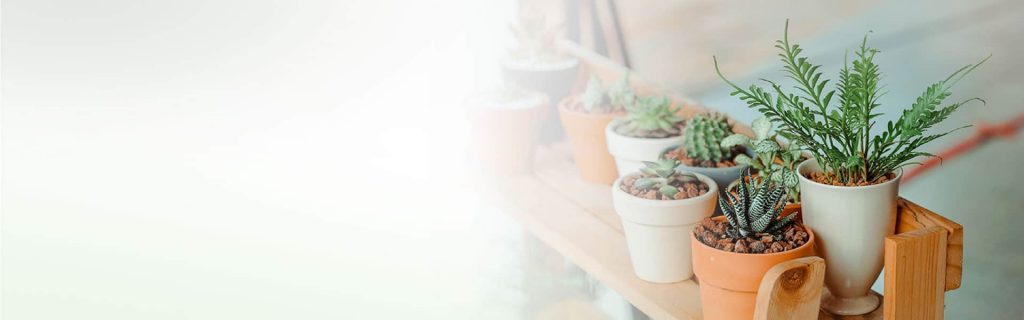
x=850 y=188
x=702 y=150
x=771 y=160
x=535 y=62
x=731 y=253
x=659 y=207
x=585 y=118
x=506 y=123
x=651 y=126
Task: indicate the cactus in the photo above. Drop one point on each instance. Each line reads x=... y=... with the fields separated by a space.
x=754 y=209
x=651 y=117
x=766 y=151
x=660 y=176
x=702 y=138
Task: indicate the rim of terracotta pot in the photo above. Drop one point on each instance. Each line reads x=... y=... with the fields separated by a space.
x=712 y=188
x=810 y=240
x=563 y=106
x=808 y=162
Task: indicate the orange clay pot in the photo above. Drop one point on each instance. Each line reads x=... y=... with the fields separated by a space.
x=729 y=280
x=587 y=137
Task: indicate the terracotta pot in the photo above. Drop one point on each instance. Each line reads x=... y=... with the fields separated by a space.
x=555 y=79
x=505 y=136
x=729 y=281
x=630 y=152
x=589 y=147
x=853 y=223
x=657 y=231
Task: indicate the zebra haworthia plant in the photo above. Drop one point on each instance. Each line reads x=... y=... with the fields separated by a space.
x=754 y=209
x=659 y=176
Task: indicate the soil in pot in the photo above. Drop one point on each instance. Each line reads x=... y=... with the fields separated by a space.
x=712 y=233
x=830 y=179
x=729 y=280
x=687 y=189
x=587 y=138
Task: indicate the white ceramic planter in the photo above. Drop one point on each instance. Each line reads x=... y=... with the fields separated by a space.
x=658 y=231
x=630 y=152
x=851 y=224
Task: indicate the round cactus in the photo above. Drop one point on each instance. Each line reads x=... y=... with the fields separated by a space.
x=702 y=137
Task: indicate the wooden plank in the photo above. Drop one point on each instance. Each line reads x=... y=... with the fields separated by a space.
x=915 y=274
x=913 y=217
x=593 y=245
x=556 y=170
x=791 y=290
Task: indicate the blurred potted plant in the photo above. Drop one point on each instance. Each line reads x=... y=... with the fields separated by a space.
x=535 y=62
x=506 y=123
x=650 y=126
x=849 y=190
x=702 y=150
x=585 y=118
x=659 y=207
x=731 y=253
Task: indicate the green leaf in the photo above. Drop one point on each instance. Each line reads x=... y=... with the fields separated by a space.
x=761 y=126
x=668 y=191
x=735 y=139
x=743 y=159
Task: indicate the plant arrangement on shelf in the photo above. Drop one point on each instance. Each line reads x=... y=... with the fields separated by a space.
x=651 y=125
x=850 y=188
x=585 y=117
x=659 y=207
x=702 y=150
x=731 y=253
x=506 y=124
x=772 y=161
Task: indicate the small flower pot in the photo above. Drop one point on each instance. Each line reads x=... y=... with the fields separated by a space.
x=729 y=281
x=630 y=152
x=658 y=231
x=852 y=223
x=555 y=79
x=587 y=138
x=505 y=136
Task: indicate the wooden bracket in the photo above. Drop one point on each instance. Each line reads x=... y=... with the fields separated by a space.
x=791 y=290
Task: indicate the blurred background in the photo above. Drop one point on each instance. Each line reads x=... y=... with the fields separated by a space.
x=314 y=160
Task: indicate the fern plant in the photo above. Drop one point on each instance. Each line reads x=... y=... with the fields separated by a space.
x=755 y=209
x=836 y=125
x=651 y=117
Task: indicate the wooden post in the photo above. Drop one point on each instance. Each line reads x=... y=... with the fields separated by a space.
x=791 y=290
x=915 y=274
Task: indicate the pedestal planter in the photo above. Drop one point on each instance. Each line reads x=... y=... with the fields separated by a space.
x=555 y=79
x=852 y=223
x=658 y=231
x=630 y=152
x=587 y=138
x=505 y=136
x=729 y=281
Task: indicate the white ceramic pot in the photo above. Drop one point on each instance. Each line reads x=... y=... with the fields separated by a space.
x=851 y=224
x=658 y=231
x=630 y=152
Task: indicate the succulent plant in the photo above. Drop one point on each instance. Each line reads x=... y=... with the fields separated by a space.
x=536 y=38
x=651 y=117
x=771 y=160
x=755 y=208
x=702 y=138
x=618 y=96
x=659 y=175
